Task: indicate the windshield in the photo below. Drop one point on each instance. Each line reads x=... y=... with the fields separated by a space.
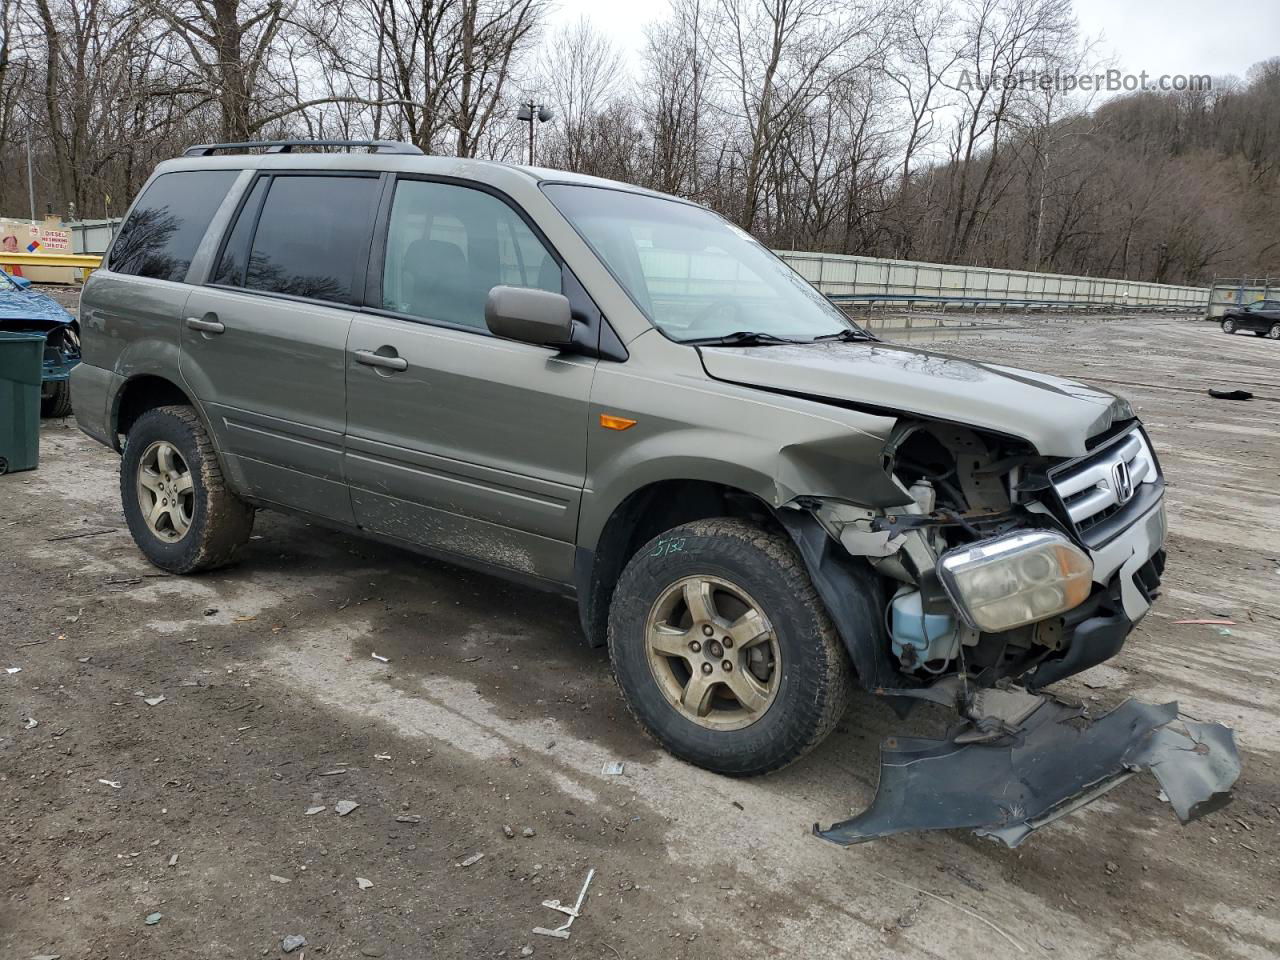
x=693 y=274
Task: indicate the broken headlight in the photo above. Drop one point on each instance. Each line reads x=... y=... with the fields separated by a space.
x=1020 y=578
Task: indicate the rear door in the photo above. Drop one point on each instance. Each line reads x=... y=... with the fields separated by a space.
x=458 y=440
x=264 y=340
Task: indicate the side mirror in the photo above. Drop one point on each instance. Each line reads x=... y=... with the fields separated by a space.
x=529 y=315
x=22 y=282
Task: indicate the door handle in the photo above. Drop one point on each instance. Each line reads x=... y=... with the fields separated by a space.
x=371 y=359
x=205 y=326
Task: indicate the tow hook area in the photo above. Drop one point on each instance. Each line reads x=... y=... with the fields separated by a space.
x=1025 y=760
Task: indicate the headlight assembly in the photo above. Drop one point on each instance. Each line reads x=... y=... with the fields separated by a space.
x=1020 y=578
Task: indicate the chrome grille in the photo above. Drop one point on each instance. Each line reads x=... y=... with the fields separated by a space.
x=1100 y=485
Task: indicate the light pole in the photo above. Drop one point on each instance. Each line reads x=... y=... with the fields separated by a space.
x=31 y=182
x=533 y=114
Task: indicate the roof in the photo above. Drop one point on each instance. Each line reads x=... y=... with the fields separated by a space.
x=488 y=171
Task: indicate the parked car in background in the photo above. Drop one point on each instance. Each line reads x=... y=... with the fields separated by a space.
x=23 y=310
x=619 y=396
x=1262 y=319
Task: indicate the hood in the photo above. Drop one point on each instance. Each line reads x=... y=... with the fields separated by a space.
x=29 y=309
x=1055 y=415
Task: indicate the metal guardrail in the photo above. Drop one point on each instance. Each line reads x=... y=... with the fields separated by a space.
x=1000 y=303
x=86 y=263
x=864 y=278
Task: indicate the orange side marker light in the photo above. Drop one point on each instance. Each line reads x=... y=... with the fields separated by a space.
x=610 y=422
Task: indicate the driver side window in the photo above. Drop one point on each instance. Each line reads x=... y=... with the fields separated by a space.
x=448 y=246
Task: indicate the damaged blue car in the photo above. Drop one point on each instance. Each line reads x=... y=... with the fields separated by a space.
x=23 y=310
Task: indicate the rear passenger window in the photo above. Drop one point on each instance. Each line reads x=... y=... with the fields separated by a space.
x=167 y=223
x=311 y=235
x=448 y=246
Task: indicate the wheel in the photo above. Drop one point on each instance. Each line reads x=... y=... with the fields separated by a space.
x=181 y=513
x=58 y=403
x=1274 y=332
x=1228 y=325
x=723 y=650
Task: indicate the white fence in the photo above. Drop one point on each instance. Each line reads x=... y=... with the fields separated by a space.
x=868 y=279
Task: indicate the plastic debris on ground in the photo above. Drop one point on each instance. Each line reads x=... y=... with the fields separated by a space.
x=562 y=932
x=343 y=807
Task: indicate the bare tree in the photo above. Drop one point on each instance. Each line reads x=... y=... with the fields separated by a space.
x=579 y=76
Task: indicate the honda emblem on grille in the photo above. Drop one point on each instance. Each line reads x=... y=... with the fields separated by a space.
x=1121 y=482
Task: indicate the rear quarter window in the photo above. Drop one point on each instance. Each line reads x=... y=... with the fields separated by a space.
x=167 y=223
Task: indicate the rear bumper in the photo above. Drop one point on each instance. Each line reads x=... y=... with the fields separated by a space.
x=92 y=390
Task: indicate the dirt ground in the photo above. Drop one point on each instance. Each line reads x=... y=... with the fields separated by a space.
x=491 y=711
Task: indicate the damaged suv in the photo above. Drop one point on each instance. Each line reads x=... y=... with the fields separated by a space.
x=619 y=396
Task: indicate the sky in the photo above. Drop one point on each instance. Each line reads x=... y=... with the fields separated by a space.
x=1159 y=36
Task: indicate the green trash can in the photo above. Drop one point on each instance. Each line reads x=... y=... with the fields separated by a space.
x=21 y=368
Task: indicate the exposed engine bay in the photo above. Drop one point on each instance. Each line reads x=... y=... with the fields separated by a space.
x=1005 y=572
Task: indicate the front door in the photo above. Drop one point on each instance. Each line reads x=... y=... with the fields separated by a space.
x=264 y=341
x=457 y=440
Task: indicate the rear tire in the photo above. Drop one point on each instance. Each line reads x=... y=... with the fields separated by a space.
x=678 y=607
x=58 y=403
x=1228 y=326
x=183 y=516
x=1274 y=332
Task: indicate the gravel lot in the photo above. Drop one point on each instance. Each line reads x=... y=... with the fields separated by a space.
x=491 y=712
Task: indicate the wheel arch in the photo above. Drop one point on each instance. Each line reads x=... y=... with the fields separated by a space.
x=638 y=518
x=146 y=391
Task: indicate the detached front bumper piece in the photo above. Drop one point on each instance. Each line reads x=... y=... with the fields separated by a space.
x=1056 y=761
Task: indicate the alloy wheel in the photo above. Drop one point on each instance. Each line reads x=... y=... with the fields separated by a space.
x=713 y=653
x=166 y=494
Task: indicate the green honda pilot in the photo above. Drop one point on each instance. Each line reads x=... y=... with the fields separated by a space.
x=619 y=396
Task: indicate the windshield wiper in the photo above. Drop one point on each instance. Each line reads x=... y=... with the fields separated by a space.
x=845 y=336
x=741 y=338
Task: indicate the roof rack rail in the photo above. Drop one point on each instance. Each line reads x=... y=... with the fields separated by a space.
x=287 y=146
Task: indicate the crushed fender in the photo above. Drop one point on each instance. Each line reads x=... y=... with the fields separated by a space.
x=1054 y=761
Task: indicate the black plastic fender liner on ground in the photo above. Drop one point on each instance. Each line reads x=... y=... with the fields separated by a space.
x=853 y=597
x=1058 y=761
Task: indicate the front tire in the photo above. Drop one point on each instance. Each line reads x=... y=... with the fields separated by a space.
x=181 y=513
x=723 y=650
x=1228 y=325
x=58 y=403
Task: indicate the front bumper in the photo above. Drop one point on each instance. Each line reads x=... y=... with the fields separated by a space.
x=1127 y=572
x=1052 y=759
